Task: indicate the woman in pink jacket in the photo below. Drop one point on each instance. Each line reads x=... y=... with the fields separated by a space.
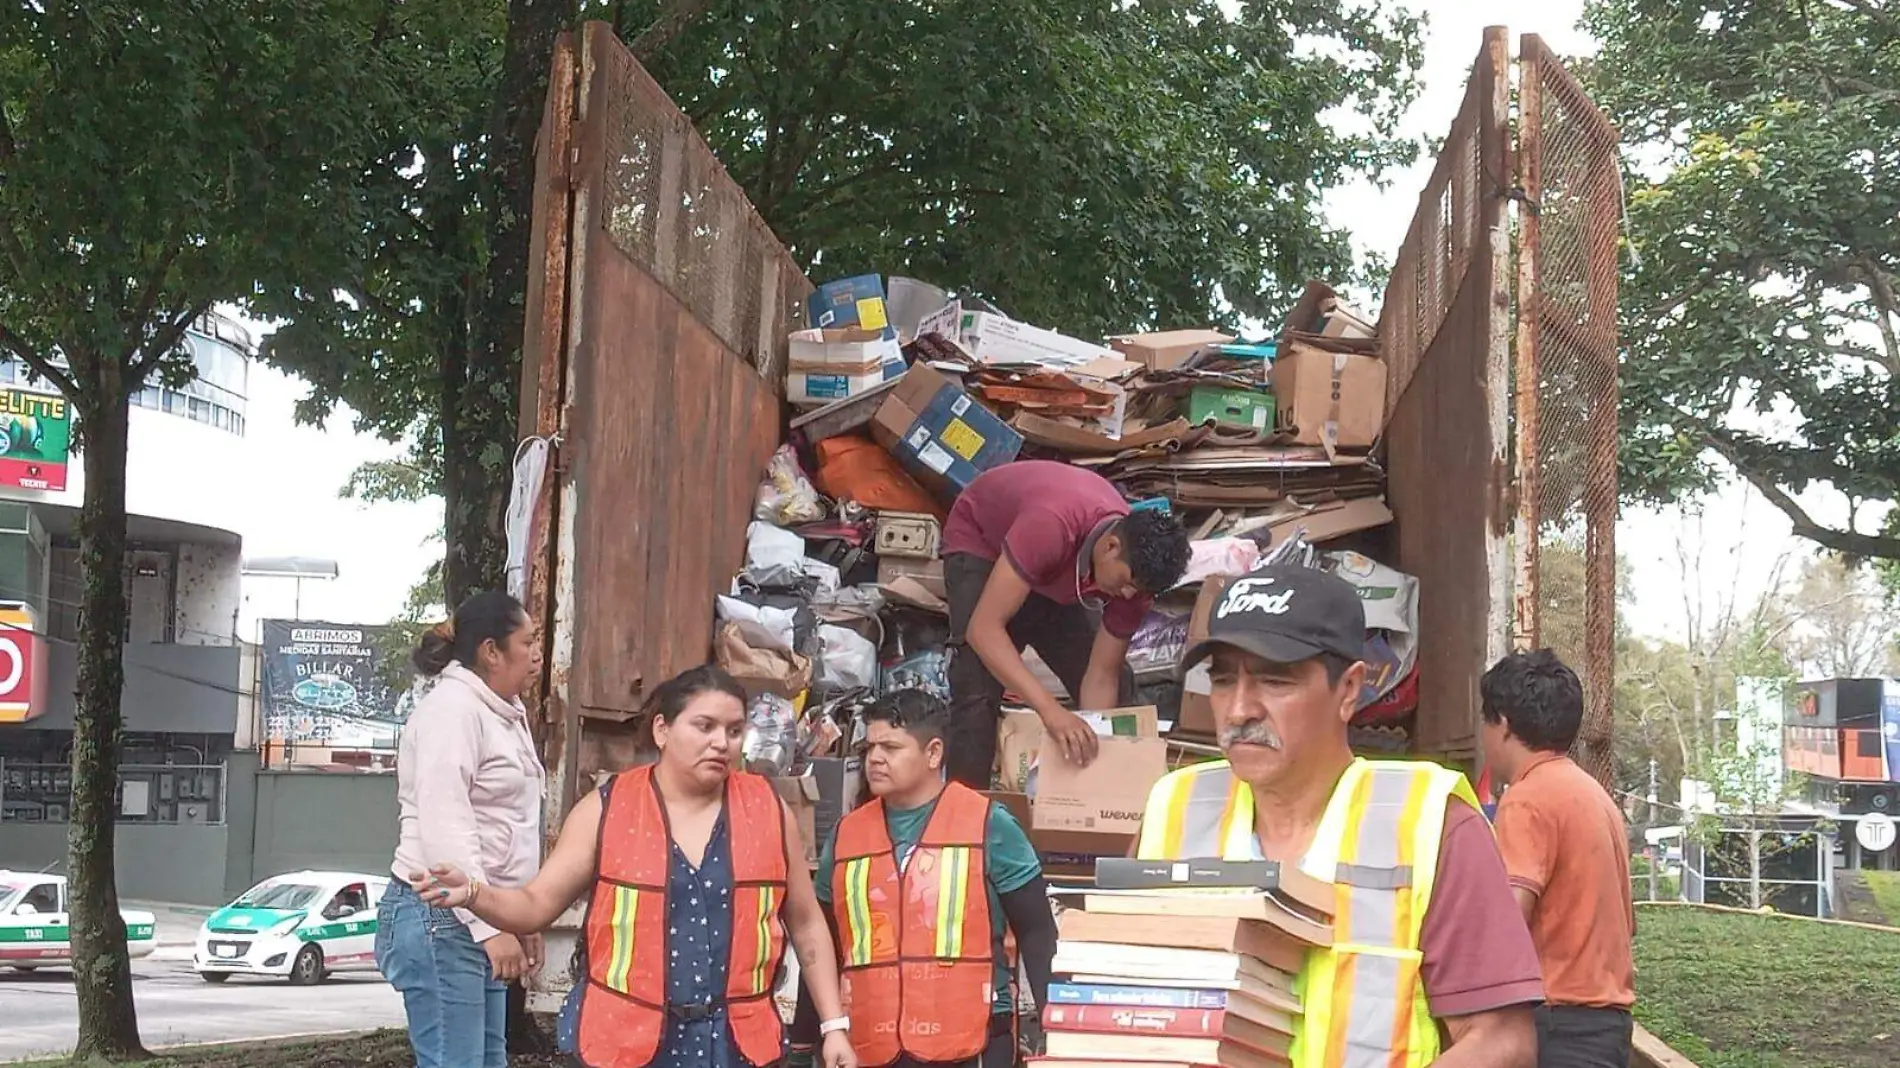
x=469 y=786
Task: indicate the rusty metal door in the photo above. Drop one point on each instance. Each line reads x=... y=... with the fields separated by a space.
x=1444 y=329
x=1499 y=334
x=655 y=349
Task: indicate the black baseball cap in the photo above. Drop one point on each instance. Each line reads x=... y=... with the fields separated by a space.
x=1285 y=614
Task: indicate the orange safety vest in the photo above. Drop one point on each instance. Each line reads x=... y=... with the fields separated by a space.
x=918 y=974
x=623 y=1004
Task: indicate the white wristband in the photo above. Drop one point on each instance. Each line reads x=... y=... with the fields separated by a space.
x=842 y=1023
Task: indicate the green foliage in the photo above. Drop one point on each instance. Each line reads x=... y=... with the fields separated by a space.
x=1760 y=315
x=1091 y=167
x=1094 y=168
x=1734 y=991
x=403 y=293
x=157 y=158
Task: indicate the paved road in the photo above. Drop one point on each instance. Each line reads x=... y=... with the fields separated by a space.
x=175 y=1006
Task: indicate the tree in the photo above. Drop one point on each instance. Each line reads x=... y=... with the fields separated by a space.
x=1760 y=308
x=423 y=339
x=1096 y=168
x=1092 y=167
x=156 y=158
x=1847 y=621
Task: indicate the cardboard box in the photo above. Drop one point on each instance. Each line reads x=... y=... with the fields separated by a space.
x=1167 y=349
x=1230 y=407
x=848 y=302
x=824 y=384
x=942 y=435
x=840 y=784
x=926 y=573
x=1335 y=519
x=1065 y=854
x=1018 y=744
x=993 y=338
x=851 y=347
x=1335 y=399
x=1108 y=796
x=1197 y=711
x=800 y=793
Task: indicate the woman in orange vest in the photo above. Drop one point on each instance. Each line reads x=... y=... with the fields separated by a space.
x=694 y=873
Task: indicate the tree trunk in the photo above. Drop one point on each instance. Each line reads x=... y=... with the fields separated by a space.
x=102 y=970
x=481 y=424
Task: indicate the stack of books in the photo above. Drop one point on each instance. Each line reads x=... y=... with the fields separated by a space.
x=1188 y=964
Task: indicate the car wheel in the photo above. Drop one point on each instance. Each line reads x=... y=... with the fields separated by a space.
x=214 y=977
x=307 y=970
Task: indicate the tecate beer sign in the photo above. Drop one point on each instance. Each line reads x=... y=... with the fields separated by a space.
x=36 y=433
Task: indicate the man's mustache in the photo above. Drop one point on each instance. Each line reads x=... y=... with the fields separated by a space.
x=1253 y=732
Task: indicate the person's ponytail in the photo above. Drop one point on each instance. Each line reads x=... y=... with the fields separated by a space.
x=436 y=650
x=484 y=617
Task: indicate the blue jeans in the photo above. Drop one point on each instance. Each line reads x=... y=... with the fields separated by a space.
x=458 y=1012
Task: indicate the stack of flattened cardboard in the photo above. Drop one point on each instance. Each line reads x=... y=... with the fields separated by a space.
x=1186 y=962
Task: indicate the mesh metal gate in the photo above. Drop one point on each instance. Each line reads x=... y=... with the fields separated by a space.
x=1569 y=207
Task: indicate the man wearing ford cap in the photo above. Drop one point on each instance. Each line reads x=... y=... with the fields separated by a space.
x=1431 y=962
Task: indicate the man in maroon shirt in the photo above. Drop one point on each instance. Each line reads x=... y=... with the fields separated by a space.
x=1033 y=552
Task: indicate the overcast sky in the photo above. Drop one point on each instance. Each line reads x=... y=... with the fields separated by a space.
x=381 y=549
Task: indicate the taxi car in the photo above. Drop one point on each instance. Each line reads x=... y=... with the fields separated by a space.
x=301 y=926
x=33 y=923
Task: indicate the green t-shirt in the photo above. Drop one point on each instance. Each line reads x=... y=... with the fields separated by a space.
x=1009 y=864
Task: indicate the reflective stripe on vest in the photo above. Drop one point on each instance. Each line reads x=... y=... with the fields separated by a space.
x=622 y=1016
x=916 y=941
x=1364 y=1004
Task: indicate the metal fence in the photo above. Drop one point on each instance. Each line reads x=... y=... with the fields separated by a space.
x=1568 y=215
x=147 y=793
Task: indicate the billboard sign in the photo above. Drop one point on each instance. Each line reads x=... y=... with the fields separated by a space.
x=320 y=686
x=1890 y=727
x=36 y=437
x=22 y=664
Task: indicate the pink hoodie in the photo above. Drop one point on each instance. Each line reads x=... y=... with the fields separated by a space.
x=469 y=786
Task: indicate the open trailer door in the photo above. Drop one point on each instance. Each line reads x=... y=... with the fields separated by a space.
x=655 y=349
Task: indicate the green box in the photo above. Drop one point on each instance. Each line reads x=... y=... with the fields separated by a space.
x=1230 y=407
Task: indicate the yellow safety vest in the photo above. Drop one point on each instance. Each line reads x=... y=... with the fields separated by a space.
x=1363 y=1002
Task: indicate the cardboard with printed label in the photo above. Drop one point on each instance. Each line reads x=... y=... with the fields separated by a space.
x=851 y=302
x=942 y=435
x=1336 y=399
x=1108 y=796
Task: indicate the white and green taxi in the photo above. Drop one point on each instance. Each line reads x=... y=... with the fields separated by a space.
x=33 y=923
x=301 y=926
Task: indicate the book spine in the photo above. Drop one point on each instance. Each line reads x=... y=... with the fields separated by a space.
x=1135 y=1020
x=1155 y=997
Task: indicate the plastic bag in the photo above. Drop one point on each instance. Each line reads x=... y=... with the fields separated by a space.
x=785 y=495
x=850 y=659
x=771 y=735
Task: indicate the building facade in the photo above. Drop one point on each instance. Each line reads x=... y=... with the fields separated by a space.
x=185 y=707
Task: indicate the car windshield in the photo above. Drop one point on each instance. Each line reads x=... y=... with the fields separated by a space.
x=278 y=896
x=9 y=893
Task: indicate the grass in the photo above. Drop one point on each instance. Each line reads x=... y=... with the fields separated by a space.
x=377 y=1049
x=1885 y=886
x=1742 y=991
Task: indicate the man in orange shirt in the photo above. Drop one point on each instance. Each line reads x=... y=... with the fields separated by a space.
x=1567 y=854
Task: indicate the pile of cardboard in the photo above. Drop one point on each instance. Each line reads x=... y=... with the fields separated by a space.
x=907 y=395
x=1185 y=962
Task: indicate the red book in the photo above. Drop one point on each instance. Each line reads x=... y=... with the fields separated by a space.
x=1134 y=1020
